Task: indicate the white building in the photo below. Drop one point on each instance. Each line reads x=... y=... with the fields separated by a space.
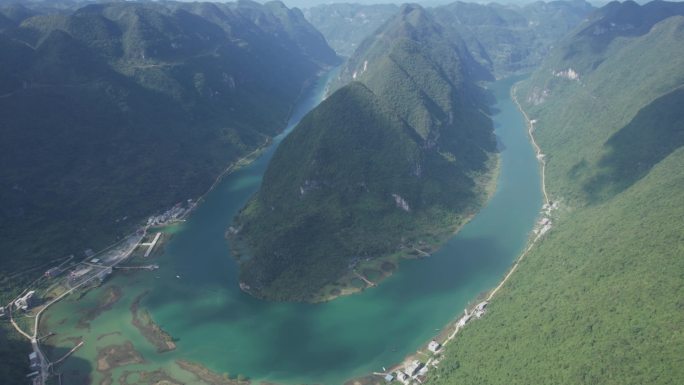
x=24 y=302
x=412 y=368
x=423 y=371
x=434 y=346
x=466 y=317
x=480 y=309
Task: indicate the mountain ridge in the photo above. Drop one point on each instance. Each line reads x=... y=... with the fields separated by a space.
x=587 y=305
x=125 y=91
x=398 y=158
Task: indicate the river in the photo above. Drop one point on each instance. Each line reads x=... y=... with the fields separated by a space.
x=228 y=331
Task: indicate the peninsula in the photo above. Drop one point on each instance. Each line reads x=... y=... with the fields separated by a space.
x=389 y=166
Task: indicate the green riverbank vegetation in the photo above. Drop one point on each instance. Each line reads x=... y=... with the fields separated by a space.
x=599 y=299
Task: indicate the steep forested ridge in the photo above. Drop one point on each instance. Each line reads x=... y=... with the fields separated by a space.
x=114 y=111
x=599 y=300
x=389 y=161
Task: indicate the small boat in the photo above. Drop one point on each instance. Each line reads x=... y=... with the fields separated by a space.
x=178 y=276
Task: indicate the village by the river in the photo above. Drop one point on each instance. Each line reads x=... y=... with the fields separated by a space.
x=168 y=303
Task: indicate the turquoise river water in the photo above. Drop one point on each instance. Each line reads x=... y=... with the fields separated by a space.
x=226 y=330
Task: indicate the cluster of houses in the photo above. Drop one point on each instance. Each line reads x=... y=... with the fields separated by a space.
x=480 y=309
x=569 y=73
x=478 y=312
x=25 y=302
x=173 y=214
x=79 y=275
x=412 y=370
x=544 y=225
x=549 y=207
x=416 y=369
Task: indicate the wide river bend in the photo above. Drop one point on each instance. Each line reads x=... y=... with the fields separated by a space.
x=228 y=331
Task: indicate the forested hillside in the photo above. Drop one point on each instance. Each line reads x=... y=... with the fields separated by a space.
x=116 y=111
x=599 y=300
x=110 y=113
x=397 y=159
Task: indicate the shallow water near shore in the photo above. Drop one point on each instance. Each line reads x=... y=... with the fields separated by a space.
x=219 y=326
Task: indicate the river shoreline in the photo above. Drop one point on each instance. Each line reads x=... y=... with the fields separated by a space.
x=194 y=297
x=248 y=159
x=450 y=331
x=486 y=184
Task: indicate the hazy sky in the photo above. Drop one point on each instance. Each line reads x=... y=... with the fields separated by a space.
x=310 y=3
x=427 y=3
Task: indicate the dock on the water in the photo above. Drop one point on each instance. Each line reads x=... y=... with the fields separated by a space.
x=146 y=267
x=152 y=244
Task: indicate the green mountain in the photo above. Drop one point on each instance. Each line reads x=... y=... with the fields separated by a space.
x=397 y=159
x=116 y=111
x=511 y=38
x=13 y=14
x=599 y=299
x=503 y=39
x=346 y=25
x=112 y=112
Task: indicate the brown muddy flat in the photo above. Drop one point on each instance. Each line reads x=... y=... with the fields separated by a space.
x=142 y=320
x=156 y=377
x=209 y=377
x=115 y=356
x=106 y=300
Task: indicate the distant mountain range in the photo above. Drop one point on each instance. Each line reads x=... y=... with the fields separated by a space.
x=330 y=200
x=509 y=39
x=390 y=162
x=346 y=25
x=505 y=39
